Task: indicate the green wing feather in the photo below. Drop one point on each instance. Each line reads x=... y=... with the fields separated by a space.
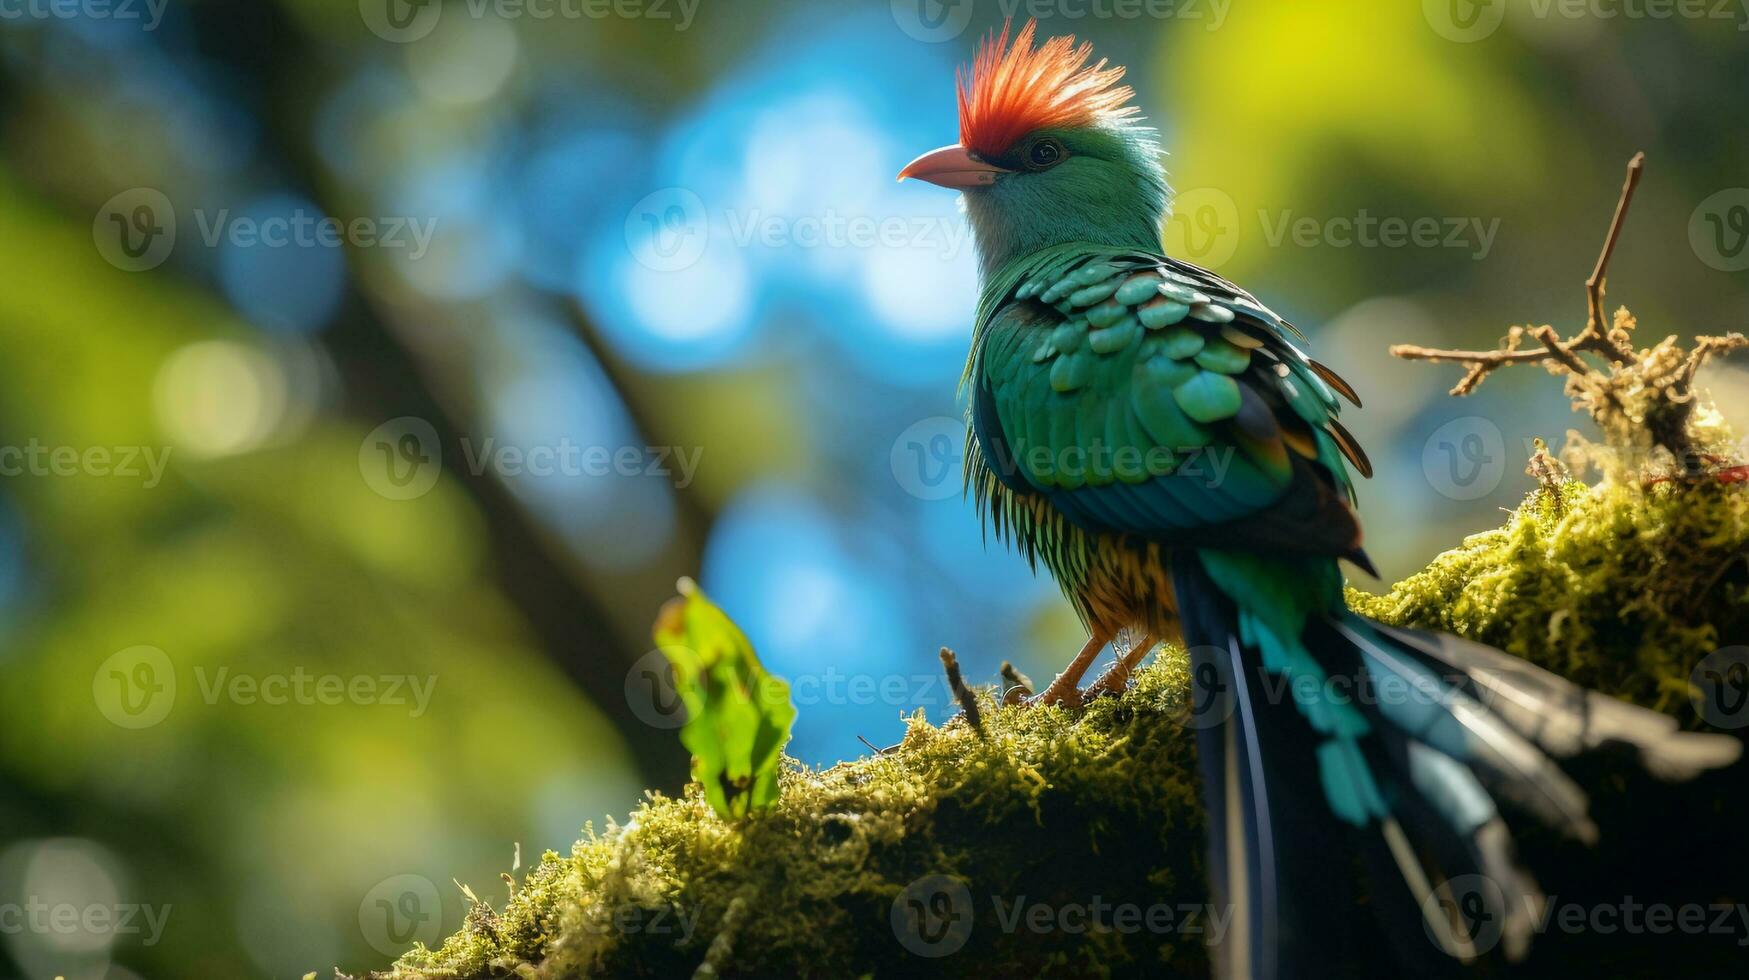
x=1141 y=395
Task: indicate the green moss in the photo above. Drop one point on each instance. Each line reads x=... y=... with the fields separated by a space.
x=1618 y=588
x=1044 y=807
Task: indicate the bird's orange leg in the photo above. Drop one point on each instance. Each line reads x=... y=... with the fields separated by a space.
x=1066 y=689
x=1117 y=677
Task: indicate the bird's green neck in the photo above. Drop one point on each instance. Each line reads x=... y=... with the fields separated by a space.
x=1002 y=241
x=1112 y=194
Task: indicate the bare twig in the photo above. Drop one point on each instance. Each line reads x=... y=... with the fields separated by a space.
x=1597 y=337
x=1706 y=348
x=877 y=750
x=1482 y=363
x=968 y=701
x=1594 y=286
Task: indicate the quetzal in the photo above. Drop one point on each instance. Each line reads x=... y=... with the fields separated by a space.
x=1155 y=437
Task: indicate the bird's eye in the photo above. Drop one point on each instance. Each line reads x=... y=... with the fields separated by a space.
x=1044 y=154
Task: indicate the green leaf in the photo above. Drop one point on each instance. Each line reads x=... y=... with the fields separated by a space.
x=738 y=717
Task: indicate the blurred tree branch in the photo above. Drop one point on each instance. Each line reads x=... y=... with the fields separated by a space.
x=383 y=379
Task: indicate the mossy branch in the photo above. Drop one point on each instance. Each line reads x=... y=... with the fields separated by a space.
x=1623 y=589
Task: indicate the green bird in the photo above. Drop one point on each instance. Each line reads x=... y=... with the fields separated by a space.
x=1156 y=438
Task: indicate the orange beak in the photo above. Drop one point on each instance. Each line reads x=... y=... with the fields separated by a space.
x=953 y=166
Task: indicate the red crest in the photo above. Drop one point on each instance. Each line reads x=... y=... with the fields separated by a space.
x=1016 y=89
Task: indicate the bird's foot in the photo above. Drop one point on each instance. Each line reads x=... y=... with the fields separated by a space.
x=1116 y=678
x=1066 y=695
x=1066 y=689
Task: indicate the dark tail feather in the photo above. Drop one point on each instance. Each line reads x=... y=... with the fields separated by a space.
x=1452 y=729
x=1283 y=879
x=1560 y=717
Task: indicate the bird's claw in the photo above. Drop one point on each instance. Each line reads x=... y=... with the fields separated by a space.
x=1067 y=696
x=1113 y=682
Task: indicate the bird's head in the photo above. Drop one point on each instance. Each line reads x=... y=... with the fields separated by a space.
x=1050 y=151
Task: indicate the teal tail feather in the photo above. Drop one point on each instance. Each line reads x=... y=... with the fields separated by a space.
x=1353 y=771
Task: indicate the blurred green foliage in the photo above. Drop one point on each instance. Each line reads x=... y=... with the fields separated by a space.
x=259 y=824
